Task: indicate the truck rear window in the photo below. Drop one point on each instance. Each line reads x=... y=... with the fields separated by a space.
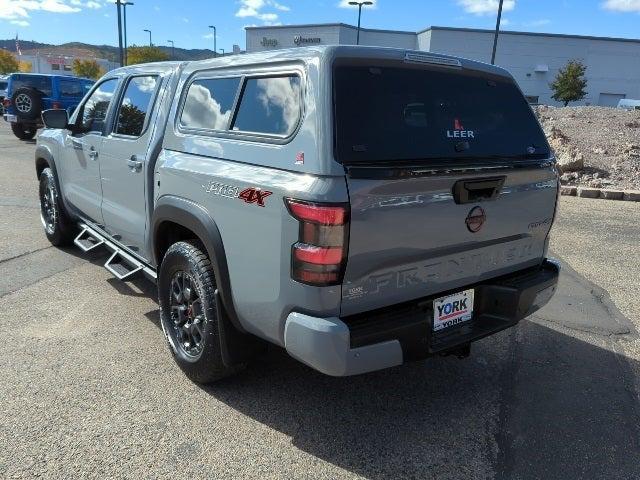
x=405 y=113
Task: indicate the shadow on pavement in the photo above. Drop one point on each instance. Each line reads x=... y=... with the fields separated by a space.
x=534 y=402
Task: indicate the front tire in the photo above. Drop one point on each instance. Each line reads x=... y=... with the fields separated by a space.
x=23 y=132
x=188 y=312
x=58 y=227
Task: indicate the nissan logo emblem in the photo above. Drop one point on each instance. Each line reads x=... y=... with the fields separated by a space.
x=475 y=219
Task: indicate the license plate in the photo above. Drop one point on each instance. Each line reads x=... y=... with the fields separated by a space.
x=452 y=310
x=10 y=118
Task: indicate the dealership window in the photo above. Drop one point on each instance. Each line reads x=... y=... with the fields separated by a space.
x=209 y=103
x=55 y=66
x=135 y=105
x=67 y=68
x=269 y=105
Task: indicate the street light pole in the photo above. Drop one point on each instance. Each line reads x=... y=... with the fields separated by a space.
x=215 y=49
x=124 y=12
x=173 y=49
x=118 y=5
x=150 y=42
x=495 y=37
x=360 y=5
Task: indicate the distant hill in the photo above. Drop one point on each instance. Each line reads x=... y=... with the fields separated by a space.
x=99 y=51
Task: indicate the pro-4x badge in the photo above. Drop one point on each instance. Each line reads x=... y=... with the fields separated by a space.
x=254 y=195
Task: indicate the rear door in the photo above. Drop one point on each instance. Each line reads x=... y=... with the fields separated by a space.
x=124 y=161
x=448 y=177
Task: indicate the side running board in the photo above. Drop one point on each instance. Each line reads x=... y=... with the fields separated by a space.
x=86 y=241
x=121 y=264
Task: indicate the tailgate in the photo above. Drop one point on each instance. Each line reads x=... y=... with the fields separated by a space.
x=449 y=178
x=410 y=239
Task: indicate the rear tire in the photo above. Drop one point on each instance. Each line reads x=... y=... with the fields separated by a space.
x=58 y=227
x=23 y=132
x=188 y=312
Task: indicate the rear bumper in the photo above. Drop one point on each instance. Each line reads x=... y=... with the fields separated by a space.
x=390 y=336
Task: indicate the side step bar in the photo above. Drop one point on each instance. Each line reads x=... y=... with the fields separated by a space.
x=121 y=264
x=86 y=241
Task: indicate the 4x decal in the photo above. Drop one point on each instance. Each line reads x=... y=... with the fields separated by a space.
x=254 y=195
x=248 y=195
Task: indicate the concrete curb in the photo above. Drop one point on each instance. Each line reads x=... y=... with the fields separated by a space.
x=607 y=194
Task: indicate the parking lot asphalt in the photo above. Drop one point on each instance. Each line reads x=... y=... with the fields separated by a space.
x=88 y=388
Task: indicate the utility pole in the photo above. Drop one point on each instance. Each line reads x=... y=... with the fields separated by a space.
x=124 y=14
x=495 y=37
x=173 y=49
x=215 y=49
x=359 y=4
x=118 y=5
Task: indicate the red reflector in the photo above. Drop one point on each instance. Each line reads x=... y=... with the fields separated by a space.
x=319 y=278
x=318 y=255
x=324 y=215
x=56 y=105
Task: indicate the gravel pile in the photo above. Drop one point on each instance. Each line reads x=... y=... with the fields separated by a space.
x=595 y=146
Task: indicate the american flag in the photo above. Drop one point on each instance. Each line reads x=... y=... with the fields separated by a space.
x=18 y=45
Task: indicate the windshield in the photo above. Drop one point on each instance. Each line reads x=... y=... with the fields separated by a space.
x=405 y=113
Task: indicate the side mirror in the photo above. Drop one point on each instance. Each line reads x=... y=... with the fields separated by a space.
x=55 y=119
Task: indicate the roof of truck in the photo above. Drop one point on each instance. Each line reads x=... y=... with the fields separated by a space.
x=308 y=54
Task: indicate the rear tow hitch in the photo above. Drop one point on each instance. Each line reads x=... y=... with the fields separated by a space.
x=461 y=352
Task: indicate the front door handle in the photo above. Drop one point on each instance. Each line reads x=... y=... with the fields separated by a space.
x=93 y=153
x=135 y=165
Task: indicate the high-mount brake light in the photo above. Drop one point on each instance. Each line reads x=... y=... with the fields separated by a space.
x=319 y=257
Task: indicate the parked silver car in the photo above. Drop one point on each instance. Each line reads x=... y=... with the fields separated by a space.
x=359 y=207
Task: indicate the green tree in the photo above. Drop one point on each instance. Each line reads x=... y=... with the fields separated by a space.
x=570 y=83
x=137 y=55
x=8 y=62
x=87 y=68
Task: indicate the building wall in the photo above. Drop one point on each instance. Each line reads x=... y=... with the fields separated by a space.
x=60 y=65
x=613 y=66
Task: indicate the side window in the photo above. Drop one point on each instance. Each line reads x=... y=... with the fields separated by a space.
x=94 y=110
x=269 y=106
x=135 y=105
x=209 y=103
x=71 y=88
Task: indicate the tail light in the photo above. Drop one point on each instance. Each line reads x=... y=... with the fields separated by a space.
x=320 y=255
x=6 y=102
x=56 y=105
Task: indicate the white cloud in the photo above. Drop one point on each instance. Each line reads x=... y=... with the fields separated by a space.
x=622 y=5
x=17 y=9
x=185 y=20
x=93 y=5
x=253 y=9
x=539 y=23
x=345 y=4
x=486 y=7
x=505 y=21
x=20 y=23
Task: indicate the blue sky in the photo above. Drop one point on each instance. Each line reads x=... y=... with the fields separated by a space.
x=186 y=21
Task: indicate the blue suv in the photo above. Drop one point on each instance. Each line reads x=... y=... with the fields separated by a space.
x=29 y=94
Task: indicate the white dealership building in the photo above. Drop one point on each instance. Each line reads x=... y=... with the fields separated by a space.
x=613 y=64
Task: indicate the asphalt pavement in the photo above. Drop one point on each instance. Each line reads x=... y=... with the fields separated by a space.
x=88 y=388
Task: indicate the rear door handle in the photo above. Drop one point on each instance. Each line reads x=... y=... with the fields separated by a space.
x=135 y=165
x=93 y=153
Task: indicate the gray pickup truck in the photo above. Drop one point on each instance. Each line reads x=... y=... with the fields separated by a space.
x=360 y=207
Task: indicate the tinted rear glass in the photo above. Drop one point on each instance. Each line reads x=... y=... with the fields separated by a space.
x=393 y=114
x=42 y=84
x=3 y=85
